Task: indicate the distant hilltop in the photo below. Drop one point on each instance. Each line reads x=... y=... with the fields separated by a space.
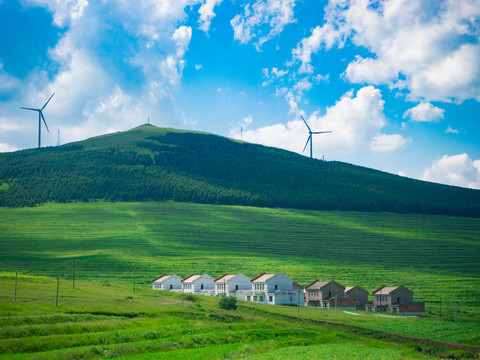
x=157 y=164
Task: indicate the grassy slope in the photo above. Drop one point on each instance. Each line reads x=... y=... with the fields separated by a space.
x=149 y=163
x=435 y=256
x=97 y=320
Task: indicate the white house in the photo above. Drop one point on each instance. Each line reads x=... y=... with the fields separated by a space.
x=229 y=284
x=273 y=289
x=199 y=284
x=167 y=282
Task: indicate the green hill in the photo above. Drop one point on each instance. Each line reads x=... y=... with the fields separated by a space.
x=149 y=163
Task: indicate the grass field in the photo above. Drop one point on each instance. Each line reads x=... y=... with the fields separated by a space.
x=435 y=256
x=102 y=320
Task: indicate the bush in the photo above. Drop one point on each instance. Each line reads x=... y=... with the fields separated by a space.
x=228 y=303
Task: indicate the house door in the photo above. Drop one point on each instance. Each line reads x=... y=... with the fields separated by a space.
x=201 y=287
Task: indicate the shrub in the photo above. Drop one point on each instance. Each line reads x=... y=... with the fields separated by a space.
x=228 y=303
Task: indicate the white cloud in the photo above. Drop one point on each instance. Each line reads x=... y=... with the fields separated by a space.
x=64 y=11
x=7 y=148
x=424 y=112
x=388 y=143
x=355 y=121
x=325 y=36
x=369 y=71
x=207 y=14
x=8 y=83
x=95 y=92
x=432 y=49
x=458 y=170
x=271 y=75
x=450 y=130
x=262 y=21
x=198 y=67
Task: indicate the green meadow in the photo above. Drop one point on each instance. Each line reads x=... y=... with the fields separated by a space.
x=114 y=248
x=435 y=256
x=108 y=320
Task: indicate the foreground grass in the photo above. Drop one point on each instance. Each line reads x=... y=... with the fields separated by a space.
x=435 y=256
x=97 y=320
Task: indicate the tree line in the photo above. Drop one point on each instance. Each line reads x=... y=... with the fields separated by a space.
x=192 y=167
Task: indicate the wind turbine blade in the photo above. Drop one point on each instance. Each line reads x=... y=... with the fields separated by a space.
x=47 y=102
x=309 y=139
x=30 y=109
x=41 y=114
x=321 y=132
x=306 y=123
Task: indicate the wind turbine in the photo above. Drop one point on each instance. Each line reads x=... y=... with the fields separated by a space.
x=310 y=136
x=40 y=118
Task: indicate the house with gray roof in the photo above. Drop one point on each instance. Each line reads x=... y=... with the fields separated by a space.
x=357 y=293
x=199 y=284
x=395 y=300
x=167 y=282
x=273 y=289
x=229 y=284
x=328 y=294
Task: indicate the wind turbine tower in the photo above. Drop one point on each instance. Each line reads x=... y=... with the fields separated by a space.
x=310 y=132
x=40 y=118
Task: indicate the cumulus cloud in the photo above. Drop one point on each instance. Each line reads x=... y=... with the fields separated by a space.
x=8 y=83
x=458 y=170
x=356 y=121
x=325 y=36
x=96 y=93
x=64 y=12
x=424 y=112
x=262 y=21
x=7 y=148
x=388 y=143
x=207 y=14
x=432 y=49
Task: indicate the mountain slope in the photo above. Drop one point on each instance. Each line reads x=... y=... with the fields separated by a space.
x=149 y=163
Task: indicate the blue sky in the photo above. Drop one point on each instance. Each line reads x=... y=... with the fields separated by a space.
x=396 y=81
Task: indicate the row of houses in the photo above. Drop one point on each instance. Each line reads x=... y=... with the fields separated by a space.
x=279 y=289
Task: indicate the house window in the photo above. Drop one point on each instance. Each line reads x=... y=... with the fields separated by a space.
x=236 y=287
x=291 y=297
x=171 y=286
x=329 y=294
x=201 y=287
x=394 y=310
x=260 y=298
x=248 y=297
x=255 y=298
x=270 y=298
x=276 y=287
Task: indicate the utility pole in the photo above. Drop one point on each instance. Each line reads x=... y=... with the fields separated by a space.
x=73 y=275
x=335 y=301
x=15 y=295
x=447 y=310
x=298 y=304
x=56 y=298
x=183 y=291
